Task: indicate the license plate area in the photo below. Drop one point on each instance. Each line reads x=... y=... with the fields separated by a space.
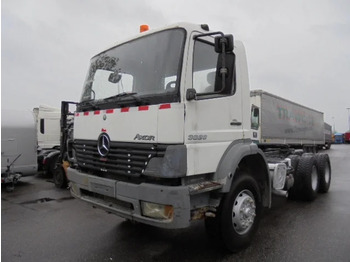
x=103 y=186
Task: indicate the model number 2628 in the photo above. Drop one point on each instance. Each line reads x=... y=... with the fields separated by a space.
x=197 y=137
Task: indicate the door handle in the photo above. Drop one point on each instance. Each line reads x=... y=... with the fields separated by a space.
x=235 y=123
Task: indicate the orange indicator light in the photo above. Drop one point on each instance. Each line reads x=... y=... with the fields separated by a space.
x=144 y=28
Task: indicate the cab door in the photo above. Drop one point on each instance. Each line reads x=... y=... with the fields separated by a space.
x=213 y=120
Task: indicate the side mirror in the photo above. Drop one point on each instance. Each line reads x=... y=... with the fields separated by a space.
x=191 y=94
x=226 y=42
x=114 y=77
x=225 y=69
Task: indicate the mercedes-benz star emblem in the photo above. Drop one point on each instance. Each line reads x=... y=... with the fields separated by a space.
x=103 y=144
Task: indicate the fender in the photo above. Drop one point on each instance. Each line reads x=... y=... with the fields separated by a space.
x=53 y=153
x=232 y=157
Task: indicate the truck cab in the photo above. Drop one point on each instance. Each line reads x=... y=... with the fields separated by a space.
x=163 y=134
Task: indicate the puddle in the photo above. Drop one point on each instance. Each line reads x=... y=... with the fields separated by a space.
x=38 y=201
x=64 y=198
x=46 y=199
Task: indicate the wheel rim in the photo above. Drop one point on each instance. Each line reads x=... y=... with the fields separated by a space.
x=244 y=212
x=327 y=174
x=314 y=178
x=58 y=177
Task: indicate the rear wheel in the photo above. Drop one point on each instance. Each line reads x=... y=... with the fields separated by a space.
x=324 y=171
x=307 y=171
x=241 y=212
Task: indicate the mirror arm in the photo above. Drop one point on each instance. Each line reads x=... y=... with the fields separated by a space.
x=93 y=91
x=223 y=69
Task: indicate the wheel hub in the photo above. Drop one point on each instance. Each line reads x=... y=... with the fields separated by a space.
x=314 y=178
x=327 y=174
x=243 y=213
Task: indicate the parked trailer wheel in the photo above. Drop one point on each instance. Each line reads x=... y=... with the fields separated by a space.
x=240 y=212
x=59 y=177
x=52 y=165
x=324 y=172
x=307 y=170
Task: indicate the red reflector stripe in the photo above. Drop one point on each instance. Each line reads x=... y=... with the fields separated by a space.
x=76 y=114
x=86 y=113
x=97 y=112
x=165 y=106
x=124 y=110
x=109 y=111
x=143 y=108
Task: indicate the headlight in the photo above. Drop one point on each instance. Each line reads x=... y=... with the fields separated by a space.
x=278 y=174
x=157 y=211
x=172 y=165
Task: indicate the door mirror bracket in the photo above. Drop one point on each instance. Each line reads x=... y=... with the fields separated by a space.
x=191 y=94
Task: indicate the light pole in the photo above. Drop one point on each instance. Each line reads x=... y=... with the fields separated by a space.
x=349 y=117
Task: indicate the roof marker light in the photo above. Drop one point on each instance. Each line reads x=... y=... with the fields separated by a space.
x=144 y=28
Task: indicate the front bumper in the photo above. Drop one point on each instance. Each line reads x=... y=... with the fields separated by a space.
x=124 y=199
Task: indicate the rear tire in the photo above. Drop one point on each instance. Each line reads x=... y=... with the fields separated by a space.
x=324 y=172
x=307 y=171
x=241 y=211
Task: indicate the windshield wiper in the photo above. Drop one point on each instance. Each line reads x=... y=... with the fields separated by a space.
x=124 y=94
x=89 y=103
x=119 y=97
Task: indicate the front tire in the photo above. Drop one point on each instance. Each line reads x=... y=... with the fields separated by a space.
x=241 y=212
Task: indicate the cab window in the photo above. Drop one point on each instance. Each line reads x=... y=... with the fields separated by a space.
x=255 y=118
x=204 y=71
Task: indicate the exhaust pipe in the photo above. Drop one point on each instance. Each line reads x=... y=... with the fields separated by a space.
x=280 y=193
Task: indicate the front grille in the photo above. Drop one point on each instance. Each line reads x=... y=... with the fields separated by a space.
x=119 y=203
x=128 y=159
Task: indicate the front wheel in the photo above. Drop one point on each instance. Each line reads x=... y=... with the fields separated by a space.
x=241 y=212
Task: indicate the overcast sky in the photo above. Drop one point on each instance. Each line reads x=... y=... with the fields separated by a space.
x=296 y=49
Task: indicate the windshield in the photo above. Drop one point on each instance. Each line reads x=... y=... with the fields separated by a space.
x=145 y=69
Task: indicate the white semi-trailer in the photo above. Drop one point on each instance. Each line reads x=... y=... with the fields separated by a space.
x=166 y=133
x=18 y=145
x=276 y=121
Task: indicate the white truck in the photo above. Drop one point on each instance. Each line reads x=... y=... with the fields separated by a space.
x=47 y=121
x=166 y=132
